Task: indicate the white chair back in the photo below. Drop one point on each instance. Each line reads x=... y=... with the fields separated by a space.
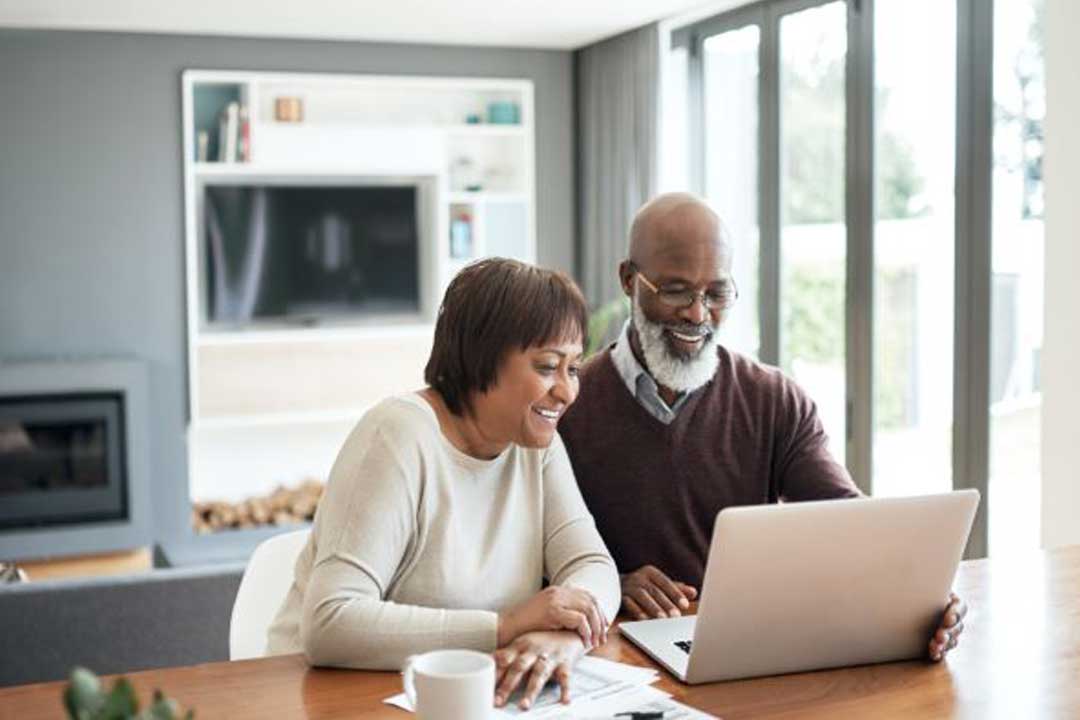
x=266 y=582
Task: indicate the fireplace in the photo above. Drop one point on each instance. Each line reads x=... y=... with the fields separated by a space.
x=73 y=448
x=62 y=459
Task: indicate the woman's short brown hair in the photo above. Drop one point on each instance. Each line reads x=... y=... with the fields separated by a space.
x=491 y=307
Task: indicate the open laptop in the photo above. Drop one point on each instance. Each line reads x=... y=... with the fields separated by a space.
x=814 y=585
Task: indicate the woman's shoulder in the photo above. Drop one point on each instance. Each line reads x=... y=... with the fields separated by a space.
x=401 y=411
x=404 y=419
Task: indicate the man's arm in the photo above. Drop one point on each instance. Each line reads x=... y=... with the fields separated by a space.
x=804 y=468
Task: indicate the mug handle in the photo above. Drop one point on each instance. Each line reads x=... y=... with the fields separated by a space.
x=407 y=680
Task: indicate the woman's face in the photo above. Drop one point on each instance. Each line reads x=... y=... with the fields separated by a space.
x=533 y=389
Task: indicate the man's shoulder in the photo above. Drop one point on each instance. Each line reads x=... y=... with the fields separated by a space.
x=597 y=381
x=597 y=363
x=751 y=376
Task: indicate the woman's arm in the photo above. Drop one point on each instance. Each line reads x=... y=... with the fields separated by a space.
x=574 y=553
x=365 y=527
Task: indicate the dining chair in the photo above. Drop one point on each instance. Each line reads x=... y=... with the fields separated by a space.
x=266 y=581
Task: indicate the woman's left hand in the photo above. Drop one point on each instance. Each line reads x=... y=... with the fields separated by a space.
x=534 y=658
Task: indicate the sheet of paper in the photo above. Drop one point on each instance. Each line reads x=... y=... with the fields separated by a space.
x=621 y=671
x=641 y=699
x=593 y=680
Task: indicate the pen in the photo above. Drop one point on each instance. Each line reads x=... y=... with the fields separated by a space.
x=651 y=715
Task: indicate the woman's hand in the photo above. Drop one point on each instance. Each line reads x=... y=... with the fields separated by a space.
x=556 y=608
x=534 y=658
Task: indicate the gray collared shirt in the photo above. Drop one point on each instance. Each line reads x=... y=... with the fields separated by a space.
x=640 y=383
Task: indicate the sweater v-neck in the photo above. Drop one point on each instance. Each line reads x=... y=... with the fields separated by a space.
x=611 y=374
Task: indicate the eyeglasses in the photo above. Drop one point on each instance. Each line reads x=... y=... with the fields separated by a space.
x=718 y=297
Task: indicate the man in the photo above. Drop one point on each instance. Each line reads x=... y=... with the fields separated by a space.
x=670 y=427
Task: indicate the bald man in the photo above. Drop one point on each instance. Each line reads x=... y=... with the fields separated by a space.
x=671 y=427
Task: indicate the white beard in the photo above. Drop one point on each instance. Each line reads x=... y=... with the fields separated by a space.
x=681 y=374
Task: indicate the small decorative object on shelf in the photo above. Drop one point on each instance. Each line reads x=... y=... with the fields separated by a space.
x=202 y=150
x=461 y=244
x=464 y=176
x=85 y=699
x=473 y=119
x=289 y=109
x=503 y=112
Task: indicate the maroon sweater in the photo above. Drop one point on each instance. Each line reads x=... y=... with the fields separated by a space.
x=750 y=436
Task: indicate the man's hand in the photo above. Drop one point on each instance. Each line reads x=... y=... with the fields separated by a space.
x=947 y=635
x=649 y=593
x=532 y=659
x=556 y=608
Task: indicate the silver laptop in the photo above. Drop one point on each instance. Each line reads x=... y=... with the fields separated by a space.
x=814 y=585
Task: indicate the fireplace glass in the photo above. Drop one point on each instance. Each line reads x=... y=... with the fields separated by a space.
x=61 y=459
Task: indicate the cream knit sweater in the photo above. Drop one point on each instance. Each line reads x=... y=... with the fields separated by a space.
x=416 y=545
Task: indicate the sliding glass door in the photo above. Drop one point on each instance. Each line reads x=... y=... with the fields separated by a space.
x=813 y=230
x=731 y=78
x=1019 y=97
x=893 y=271
x=914 y=269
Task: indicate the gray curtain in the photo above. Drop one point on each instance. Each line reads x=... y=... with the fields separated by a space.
x=618 y=106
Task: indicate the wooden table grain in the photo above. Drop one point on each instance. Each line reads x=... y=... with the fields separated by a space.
x=1020 y=658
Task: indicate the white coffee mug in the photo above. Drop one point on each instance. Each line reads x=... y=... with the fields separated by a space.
x=450 y=684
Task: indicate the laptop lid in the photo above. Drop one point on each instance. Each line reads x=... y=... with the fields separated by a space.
x=813 y=585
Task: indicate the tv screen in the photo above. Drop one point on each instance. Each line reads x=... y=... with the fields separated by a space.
x=303 y=254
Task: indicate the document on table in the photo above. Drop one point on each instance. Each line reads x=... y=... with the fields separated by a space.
x=641 y=700
x=598 y=689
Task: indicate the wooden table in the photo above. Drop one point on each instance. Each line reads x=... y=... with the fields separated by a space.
x=1019 y=658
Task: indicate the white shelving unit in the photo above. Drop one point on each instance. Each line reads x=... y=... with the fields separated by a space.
x=428 y=132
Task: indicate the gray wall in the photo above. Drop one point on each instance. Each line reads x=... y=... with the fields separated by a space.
x=91 y=214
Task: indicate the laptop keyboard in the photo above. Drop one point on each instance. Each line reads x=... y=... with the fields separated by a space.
x=684 y=645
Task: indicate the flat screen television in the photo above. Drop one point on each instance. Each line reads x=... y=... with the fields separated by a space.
x=309 y=254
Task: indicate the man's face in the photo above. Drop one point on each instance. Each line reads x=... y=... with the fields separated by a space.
x=679 y=340
x=698 y=263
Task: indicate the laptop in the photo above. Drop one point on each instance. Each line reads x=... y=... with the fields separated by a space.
x=814 y=585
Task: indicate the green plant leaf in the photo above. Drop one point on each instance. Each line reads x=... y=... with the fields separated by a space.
x=83 y=696
x=605 y=324
x=84 y=699
x=163 y=708
x=122 y=702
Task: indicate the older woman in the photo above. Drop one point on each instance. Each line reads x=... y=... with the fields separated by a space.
x=448 y=508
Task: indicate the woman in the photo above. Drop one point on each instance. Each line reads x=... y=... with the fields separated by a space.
x=447 y=508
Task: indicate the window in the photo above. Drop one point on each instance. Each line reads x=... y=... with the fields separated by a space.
x=813 y=230
x=731 y=161
x=824 y=132
x=914 y=160
x=1017 y=280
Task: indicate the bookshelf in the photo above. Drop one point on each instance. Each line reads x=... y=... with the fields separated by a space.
x=467 y=144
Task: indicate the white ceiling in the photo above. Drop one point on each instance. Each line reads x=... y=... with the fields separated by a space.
x=554 y=24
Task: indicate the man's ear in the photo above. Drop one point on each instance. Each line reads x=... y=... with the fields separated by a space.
x=626 y=278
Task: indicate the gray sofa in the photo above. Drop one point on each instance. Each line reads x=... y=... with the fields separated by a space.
x=175 y=616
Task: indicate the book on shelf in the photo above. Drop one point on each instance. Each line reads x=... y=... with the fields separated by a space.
x=245 y=135
x=230 y=142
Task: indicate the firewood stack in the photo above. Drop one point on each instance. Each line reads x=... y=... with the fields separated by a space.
x=284 y=506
